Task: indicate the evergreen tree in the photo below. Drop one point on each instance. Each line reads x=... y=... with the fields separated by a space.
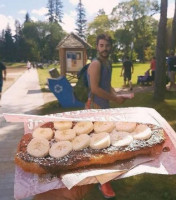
x=17 y=39
x=27 y=18
x=50 y=7
x=55 y=10
x=17 y=27
x=101 y=12
x=58 y=11
x=8 y=46
x=2 y=38
x=81 y=20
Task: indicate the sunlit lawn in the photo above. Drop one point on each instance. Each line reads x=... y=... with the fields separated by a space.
x=44 y=74
x=144 y=186
x=15 y=65
x=117 y=80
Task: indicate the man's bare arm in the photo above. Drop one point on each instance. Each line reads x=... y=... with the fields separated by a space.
x=94 y=74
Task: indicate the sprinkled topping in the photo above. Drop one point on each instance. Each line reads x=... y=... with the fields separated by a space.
x=85 y=154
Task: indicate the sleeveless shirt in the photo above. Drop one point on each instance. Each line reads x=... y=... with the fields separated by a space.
x=105 y=84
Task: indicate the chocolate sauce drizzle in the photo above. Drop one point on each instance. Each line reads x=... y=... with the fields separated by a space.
x=85 y=154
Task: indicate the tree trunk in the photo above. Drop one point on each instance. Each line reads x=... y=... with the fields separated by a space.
x=173 y=42
x=160 y=74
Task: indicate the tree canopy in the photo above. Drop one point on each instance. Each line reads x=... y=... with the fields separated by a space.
x=81 y=20
x=131 y=25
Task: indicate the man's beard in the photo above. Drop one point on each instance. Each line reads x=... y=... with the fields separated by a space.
x=106 y=55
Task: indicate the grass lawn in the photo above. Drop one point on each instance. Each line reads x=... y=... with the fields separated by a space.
x=144 y=186
x=15 y=65
x=141 y=187
x=117 y=80
x=44 y=75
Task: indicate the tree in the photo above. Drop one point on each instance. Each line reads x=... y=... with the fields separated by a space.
x=81 y=20
x=101 y=12
x=135 y=16
x=50 y=13
x=160 y=77
x=41 y=39
x=58 y=11
x=17 y=41
x=27 y=18
x=55 y=10
x=101 y=23
x=52 y=35
x=30 y=44
x=8 y=46
x=173 y=41
x=123 y=41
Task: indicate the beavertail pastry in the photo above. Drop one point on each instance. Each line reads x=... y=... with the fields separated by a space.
x=55 y=147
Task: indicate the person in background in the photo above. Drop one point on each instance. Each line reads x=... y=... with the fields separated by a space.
x=101 y=92
x=171 y=63
x=28 y=65
x=153 y=69
x=2 y=76
x=126 y=72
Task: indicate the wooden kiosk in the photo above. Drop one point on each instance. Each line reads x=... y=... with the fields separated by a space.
x=72 y=54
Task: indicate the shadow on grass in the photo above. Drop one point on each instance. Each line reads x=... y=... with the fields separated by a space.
x=140 y=187
x=54 y=107
x=45 y=90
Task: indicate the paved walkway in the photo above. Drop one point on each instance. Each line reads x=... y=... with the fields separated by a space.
x=24 y=96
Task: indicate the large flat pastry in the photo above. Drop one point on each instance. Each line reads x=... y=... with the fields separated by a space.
x=55 y=147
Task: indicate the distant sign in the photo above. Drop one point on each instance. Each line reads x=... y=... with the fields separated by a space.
x=74 y=61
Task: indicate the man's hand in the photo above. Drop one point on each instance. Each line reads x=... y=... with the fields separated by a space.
x=119 y=99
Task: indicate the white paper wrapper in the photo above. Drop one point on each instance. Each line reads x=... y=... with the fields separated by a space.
x=27 y=184
x=126 y=96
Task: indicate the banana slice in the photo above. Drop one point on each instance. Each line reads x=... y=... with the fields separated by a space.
x=63 y=125
x=83 y=127
x=60 y=149
x=100 y=140
x=104 y=127
x=38 y=147
x=46 y=133
x=68 y=134
x=120 y=139
x=80 y=142
x=125 y=126
x=142 y=132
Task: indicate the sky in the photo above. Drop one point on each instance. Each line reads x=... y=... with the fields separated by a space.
x=11 y=10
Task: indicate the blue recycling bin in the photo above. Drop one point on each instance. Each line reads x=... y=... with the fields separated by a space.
x=63 y=91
